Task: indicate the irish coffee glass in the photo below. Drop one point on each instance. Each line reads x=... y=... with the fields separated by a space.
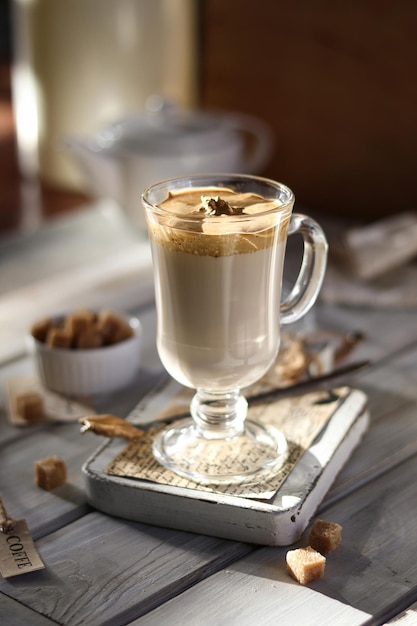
x=218 y=246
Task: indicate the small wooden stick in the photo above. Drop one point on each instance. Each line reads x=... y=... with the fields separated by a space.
x=109 y=426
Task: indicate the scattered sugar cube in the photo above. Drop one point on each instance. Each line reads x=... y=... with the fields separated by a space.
x=80 y=321
x=59 y=338
x=123 y=332
x=90 y=338
x=41 y=328
x=305 y=564
x=50 y=472
x=83 y=329
x=29 y=406
x=325 y=536
x=113 y=327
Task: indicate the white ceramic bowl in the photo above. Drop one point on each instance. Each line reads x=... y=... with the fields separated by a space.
x=89 y=372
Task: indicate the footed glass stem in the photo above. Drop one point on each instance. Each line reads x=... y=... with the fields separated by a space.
x=218 y=445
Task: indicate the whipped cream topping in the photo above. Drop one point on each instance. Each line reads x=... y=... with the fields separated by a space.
x=221 y=221
x=216 y=202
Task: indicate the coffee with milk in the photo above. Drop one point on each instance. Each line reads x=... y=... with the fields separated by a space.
x=217 y=298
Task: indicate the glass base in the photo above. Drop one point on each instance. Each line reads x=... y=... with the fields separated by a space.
x=244 y=457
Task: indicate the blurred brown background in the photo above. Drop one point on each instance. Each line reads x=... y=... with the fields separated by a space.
x=335 y=80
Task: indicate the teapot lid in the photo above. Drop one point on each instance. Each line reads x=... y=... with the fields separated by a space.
x=164 y=128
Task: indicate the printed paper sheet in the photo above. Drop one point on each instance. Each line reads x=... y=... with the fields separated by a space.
x=300 y=419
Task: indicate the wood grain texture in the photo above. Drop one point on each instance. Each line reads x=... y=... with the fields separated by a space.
x=255 y=590
x=279 y=521
x=15 y=614
x=385 y=331
x=368 y=572
x=20 y=447
x=407 y=617
x=378 y=520
x=372 y=516
x=336 y=83
x=102 y=570
x=392 y=435
x=45 y=510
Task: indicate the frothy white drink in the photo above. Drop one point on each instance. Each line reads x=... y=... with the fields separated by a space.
x=218 y=286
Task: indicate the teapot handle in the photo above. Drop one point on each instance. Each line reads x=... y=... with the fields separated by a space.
x=261 y=150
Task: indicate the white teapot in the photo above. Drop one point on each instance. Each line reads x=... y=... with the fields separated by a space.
x=164 y=142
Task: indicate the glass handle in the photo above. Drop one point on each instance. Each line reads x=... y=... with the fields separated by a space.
x=313 y=268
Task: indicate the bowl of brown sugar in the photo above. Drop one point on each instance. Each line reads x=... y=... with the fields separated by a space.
x=86 y=352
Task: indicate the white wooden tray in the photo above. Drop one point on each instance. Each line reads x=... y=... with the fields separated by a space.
x=279 y=521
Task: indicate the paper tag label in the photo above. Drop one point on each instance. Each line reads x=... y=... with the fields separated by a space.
x=18 y=554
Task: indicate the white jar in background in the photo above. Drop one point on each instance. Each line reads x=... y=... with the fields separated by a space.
x=80 y=64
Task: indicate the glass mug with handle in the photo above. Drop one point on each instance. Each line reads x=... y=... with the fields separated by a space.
x=218 y=246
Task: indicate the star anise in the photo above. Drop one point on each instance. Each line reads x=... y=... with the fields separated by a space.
x=218 y=206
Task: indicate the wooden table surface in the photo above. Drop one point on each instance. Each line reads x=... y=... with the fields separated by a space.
x=101 y=570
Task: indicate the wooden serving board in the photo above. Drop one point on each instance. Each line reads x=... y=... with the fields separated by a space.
x=278 y=521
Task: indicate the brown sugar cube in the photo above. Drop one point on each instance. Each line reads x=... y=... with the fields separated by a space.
x=325 y=536
x=124 y=331
x=90 y=338
x=59 y=338
x=113 y=327
x=50 y=472
x=40 y=329
x=305 y=564
x=29 y=406
x=80 y=321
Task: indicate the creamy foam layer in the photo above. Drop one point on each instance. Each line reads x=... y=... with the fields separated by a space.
x=186 y=202
x=190 y=223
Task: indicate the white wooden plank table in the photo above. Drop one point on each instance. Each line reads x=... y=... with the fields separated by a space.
x=102 y=570
x=372 y=575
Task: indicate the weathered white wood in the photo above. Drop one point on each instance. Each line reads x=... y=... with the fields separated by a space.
x=392 y=436
x=276 y=522
x=44 y=510
x=98 y=260
x=119 y=403
x=20 y=447
x=374 y=567
x=384 y=330
x=391 y=440
x=13 y=613
x=8 y=432
x=376 y=564
x=255 y=590
x=102 y=570
x=406 y=618
x=387 y=336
